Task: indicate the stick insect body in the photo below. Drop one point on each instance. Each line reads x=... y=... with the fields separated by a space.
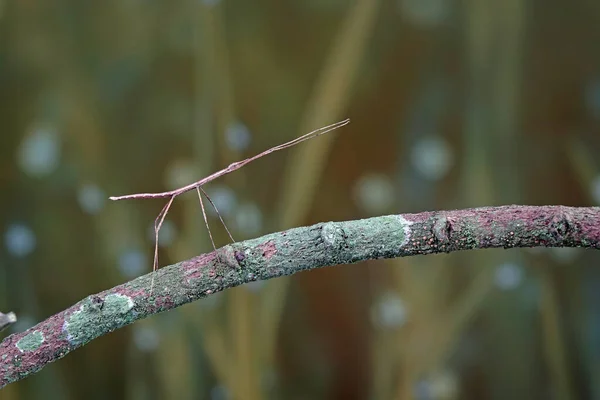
x=172 y=194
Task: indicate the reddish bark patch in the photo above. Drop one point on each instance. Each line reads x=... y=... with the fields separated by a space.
x=268 y=249
x=164 y=303
x=193 y=268
x=134 y=294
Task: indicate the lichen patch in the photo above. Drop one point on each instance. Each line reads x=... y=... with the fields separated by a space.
x=119 y=302
x=92 y=320
x=30 y=342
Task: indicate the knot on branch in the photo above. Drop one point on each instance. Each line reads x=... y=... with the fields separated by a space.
x=442 y=229
x=333 y=236
x=561 y=226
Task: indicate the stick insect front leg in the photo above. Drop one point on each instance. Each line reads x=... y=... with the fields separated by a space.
x=157 y=225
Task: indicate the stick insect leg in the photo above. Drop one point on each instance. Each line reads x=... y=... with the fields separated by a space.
x=206 y=223
x=219 y=214
x=157 y=224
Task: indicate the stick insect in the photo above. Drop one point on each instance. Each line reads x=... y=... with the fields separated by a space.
x=197 y=186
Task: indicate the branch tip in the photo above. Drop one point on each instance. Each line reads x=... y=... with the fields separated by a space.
x=7 y=320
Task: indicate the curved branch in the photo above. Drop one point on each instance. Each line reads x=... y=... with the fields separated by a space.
x=288 y=252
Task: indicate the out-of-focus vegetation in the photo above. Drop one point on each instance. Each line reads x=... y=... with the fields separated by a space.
x=453 y=105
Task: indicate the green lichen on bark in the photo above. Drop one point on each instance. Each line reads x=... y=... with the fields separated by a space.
x=97 y=316
x=31 y=342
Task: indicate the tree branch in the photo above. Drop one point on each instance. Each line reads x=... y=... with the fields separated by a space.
x=289 y=252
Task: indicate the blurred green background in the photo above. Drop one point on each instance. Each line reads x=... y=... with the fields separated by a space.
x=453 y=104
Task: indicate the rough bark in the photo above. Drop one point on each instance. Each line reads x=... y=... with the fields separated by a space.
x=289 y=252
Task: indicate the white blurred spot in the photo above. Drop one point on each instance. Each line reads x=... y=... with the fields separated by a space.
x=248 y=219
x=132 y=263
x=389 y=311
x=181 y=173
x=564 y=255
x=224 y=199
x=439 y=386
x=237 y=136
x=374 y=193
x=146 y=339
x=427 y=13
x=508 y=276
x=432 y=158
x=422 y=390
x=595 y=190
x=219 y=392
x=166 y=235
x=592 y=98
x=19 y=240
x=39 y=152
x=269 y=379
x=91 y=198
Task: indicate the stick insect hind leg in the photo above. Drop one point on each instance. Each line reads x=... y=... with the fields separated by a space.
x=217 y=211
x=198 y=189
x=206 y=223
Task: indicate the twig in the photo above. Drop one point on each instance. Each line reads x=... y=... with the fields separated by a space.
x=7 y=320
x=289 y=252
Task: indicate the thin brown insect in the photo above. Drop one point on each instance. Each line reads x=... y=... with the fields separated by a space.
x=172 y=194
